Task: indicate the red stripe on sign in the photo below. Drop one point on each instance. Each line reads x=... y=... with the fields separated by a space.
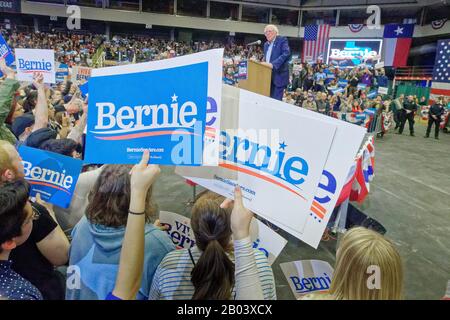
x=260 y=176
x=317 y=212
x=48 y=185
x=146 y=134
x=319 y=207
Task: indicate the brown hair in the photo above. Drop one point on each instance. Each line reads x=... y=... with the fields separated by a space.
x=109 y=199
x=213 y=274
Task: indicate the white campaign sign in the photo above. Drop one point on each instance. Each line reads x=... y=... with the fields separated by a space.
x=383 y=90
x=81 y=74
x=274 y=202
x=341 y=157
x=308 y=276
x=29 y=61
x=379 y=65
x=277 y=171
x=264 y=239
x=179 y=229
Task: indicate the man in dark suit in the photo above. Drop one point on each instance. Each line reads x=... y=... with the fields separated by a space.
x=276 y=56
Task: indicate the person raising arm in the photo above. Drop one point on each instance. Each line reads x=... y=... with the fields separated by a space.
x=131 y=264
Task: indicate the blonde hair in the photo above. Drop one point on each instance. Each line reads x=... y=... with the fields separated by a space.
x=361 y=253
x=5 y=158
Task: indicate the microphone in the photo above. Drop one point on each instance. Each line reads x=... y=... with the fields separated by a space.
x=253 y=43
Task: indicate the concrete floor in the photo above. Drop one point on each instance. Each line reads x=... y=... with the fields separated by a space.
x=410 y=196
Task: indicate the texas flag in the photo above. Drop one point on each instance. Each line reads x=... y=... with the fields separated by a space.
x=397 y=41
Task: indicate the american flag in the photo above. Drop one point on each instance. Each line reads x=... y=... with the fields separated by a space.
x=441 y=72
x=315 y=44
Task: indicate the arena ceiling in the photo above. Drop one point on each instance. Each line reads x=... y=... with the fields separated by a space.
x=349 y=3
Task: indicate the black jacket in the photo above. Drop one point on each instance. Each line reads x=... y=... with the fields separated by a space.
x=437 y=110
x=410 y=105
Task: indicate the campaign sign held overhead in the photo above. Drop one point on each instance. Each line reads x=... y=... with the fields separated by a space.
x=5 y=53
x=61 y=71
x=160 y=106
x=279 y=165
x=29 y=61
x=51 y=175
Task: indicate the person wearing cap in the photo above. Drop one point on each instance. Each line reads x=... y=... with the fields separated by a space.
x=276 y=56
x=7 y=90
x=22 y=126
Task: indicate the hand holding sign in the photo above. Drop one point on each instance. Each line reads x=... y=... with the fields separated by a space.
x=143 y=174
x=46 y=205
x=241 y=217
x=10 y=74
x=38 y=80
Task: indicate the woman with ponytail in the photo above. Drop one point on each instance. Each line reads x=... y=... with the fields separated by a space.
x=212 y=270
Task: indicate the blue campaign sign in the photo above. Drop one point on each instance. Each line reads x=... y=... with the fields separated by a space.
x=5 y=53
x=52 y=175
x=242 y=70
x=61 y=71
x=162 y=110
x=372 y=94
x=342 y=83
x=229 y=81
x=84 y=89
x=361 y=86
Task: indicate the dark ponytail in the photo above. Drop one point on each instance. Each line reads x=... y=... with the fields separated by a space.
x=213 y=274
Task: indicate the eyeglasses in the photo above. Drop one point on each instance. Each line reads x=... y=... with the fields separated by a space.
x=34 y=216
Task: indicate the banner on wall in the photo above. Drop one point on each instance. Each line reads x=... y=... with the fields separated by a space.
x=172 y=117
x=263 y=238
x=10 y=6
x=29 y=61
x=351 y=52
x=307 y=276
x=51 y=175
x=263 y=170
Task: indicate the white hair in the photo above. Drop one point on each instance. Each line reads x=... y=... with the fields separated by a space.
x=271 y=27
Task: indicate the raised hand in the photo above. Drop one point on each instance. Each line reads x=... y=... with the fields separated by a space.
x=143 y=174
x=241 y=217
x=10 y=73
x=38 y=80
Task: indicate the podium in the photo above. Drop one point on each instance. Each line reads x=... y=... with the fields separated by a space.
x=258 y=78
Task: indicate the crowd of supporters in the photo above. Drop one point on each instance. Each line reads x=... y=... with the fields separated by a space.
x=113 y=214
